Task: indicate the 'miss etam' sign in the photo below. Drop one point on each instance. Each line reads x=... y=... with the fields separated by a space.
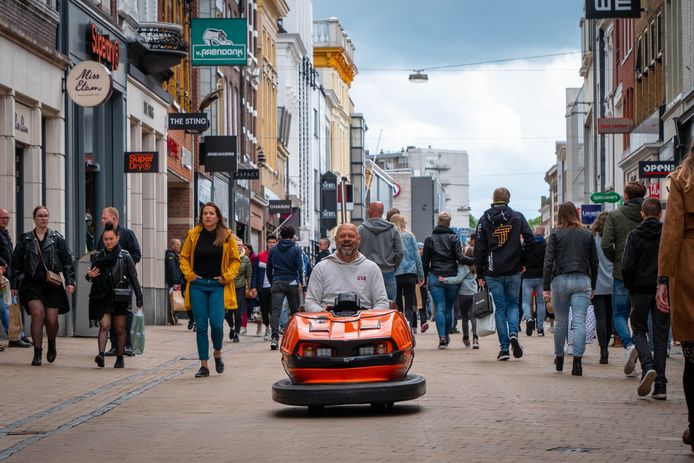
x=89 y=83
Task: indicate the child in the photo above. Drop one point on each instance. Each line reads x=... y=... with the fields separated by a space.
x=640 y=271
x=467 y=280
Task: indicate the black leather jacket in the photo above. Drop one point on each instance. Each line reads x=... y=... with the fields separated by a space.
x=122 y=266
x=56 y=255
x=443 y=253
x=570 y=251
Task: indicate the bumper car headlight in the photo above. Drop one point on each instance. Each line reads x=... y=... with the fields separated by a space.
x=367 y=350
x=324 y=352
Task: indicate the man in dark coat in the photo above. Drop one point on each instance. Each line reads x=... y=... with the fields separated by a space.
x=532 y=261
x=498 y=261
x=127 y=241
x=6 y=261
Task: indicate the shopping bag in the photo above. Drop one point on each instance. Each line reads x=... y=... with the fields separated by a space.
x=137 y=333
x=590 y=328
x=486 y=326
x=15 y=331
x=176 y=300
x=482 y=303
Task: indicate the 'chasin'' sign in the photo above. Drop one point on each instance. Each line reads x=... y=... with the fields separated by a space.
x=141 y=162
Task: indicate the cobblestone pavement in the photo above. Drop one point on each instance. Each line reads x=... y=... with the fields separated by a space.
x=475 y=409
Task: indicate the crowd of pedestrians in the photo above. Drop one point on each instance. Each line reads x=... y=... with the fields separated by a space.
x=631 y=269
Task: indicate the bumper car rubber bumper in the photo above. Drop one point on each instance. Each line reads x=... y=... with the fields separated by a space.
x=408 y=388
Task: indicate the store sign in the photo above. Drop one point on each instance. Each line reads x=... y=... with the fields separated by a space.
x=219 y=42
x=602 y=9
x=654 y=190
x=608 y=197
x=280 y=206
x=22 y=123
x=141 y=162
x=656 y=169
x=102 y=47
x=328 y=194
x=220 y=153
x=89 y=84
x=615 y=125
x=193 y=122
x=247 y=174
x=590 y=212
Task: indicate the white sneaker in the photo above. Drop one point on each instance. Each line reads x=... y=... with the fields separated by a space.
x=243 y=331
x=266 y=337
x=630 y=359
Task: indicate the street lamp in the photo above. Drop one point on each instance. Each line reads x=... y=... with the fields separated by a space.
x=209 y=99
x=418 y=77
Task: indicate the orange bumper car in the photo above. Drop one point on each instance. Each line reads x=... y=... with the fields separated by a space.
x=347 y=356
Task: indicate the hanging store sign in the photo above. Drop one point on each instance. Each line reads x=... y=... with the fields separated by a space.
x=219 y=42
x=602 y=9
x=280 y=206
x=590 y=212
x=608 y=197
x=102 y=47
x=247 y=174
x=220 y=153
x=141 y=162
x=193 y=122
x=656 y=169
x=654 y=190
x=328 y=195
x=615 y=125
x=89 y=84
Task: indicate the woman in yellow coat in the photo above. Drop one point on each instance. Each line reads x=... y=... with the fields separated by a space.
x=210 y=261
x=676 y=273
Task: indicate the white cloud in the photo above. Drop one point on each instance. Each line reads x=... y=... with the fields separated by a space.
x=506 y=116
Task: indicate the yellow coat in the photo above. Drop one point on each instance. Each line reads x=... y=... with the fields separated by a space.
x=230 y=265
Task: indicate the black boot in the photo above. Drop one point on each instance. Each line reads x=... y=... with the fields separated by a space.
x=99 y=359
x=120 y=363
x=52 y=353
x=559 y=363
x=577 y=370
x=604 y=355
x=38 y=353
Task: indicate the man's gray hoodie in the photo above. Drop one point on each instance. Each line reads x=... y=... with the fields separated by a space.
x=332 y=276
x=381 y=243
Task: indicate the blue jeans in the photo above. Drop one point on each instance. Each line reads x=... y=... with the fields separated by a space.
x=505 y=292
x=391 y=285
x=537 y=284
x=5 y=315
x=570 y=290
x=444 y=296
x=621 y=309
x=207 y=301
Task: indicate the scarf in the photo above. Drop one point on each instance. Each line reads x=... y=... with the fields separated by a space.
x=105 y=258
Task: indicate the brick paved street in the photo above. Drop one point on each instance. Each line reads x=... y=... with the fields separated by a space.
x=476 y=409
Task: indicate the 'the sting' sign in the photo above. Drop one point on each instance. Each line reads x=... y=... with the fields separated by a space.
x=141 y=162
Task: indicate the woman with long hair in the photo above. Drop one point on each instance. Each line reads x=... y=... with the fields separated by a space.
x=409 y=272
x=570 y=274
x=210 y=261
x=602 y=299
x=114 y=278
x=38 y=259
x=676 y=273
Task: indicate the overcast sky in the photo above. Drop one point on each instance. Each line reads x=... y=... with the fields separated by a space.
x=506 y=115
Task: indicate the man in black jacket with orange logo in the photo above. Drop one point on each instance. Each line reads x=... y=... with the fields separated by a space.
x=498 y=261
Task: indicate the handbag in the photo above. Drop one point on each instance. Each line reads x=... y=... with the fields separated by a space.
x=486 y=326
x=137 y=332
x=122 y=292
x=482 y=303
x=177 y=301
x=14 y=332
x=52 y=278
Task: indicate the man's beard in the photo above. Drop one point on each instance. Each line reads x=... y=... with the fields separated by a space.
x=347 y=251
